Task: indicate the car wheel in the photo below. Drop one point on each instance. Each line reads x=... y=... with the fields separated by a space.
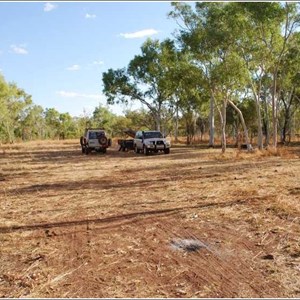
x=136 y=150
x=104 y=150
x=103 y=140
x=81 y=141
x=87 y=150
x=167 y=150
x=146 y=151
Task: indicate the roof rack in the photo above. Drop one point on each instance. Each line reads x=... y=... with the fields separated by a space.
x=94 y=129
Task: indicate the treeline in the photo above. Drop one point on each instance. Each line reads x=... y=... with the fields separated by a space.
x=22 y=120
x=232 y=69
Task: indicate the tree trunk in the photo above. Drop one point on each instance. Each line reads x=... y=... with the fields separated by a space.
x=249 y=147
x=157 y=121
x=224 y=126
x=287 y=116
x=284 y=130
x=259 y=121
x=9 y=133
x=274 y=110
x=267 y=141
x=211 y=122
x=236 y=133
x=189 y=128
x=176 y=125
x=259 y=125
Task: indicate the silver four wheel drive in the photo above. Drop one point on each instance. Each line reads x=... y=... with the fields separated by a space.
x=94 y=139
x=150 y=141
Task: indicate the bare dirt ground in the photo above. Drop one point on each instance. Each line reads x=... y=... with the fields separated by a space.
x=193 y=223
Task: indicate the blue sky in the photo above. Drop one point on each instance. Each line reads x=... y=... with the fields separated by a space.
x=57 y=51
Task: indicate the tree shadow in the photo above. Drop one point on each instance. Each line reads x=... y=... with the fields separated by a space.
x=123 y=217
x=206 y=170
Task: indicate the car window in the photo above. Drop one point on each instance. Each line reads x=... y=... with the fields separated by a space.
x=95 y=134
x=138 y=135
x=152 y=134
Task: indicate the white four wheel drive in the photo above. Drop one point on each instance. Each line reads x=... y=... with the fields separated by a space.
x=150 y=141
x=94 y=139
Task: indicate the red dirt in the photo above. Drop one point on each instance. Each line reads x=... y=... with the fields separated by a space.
x=103 y=225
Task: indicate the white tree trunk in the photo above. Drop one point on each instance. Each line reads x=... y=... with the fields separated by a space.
x=224 y=106
x=222 y=114
x=176 y=125
x=258 y=111
x=249 y=146
x=274 y=110
x=267 y=141
x=211 y=121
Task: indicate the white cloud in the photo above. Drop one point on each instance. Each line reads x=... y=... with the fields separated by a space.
x=89 y=16
x=74 y=68
x=19 y=49
x=78 y=95
x=98 y=62
x=139 y=34
x=48 y=6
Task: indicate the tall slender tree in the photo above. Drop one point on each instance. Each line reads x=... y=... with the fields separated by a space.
x=144 y=80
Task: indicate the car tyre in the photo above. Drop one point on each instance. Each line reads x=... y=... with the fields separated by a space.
x=103 y=140
x=136 y=150
x=146 y=151
x=167 y=150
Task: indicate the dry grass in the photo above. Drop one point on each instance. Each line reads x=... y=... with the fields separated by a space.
x=103 y=225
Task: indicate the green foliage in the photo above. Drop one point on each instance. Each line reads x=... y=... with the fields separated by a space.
x=146 y=79
x=52 y=121
x=103 y=118
x=33 y=124
x=13 y=102
x=242 y=48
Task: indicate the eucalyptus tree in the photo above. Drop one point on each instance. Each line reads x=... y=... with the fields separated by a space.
x=251 y=49
x=144 y=80
x=188 y=92
x=194 y=38
x=230 y=76
x=269 y=28
x=33 y=124
x=67 y=126
x=13 y=102
x=52 y=122
x=288 y=86
x=104 y=118
x=4 y=112
x=291 y=23
x=207 y=33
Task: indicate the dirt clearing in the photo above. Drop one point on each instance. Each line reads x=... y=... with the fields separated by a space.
x=192 y=223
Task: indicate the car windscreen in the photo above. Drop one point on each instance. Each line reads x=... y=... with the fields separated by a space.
x=152 y=135
x=95 y=135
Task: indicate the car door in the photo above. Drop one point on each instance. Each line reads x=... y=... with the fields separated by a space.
x=138 y=140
